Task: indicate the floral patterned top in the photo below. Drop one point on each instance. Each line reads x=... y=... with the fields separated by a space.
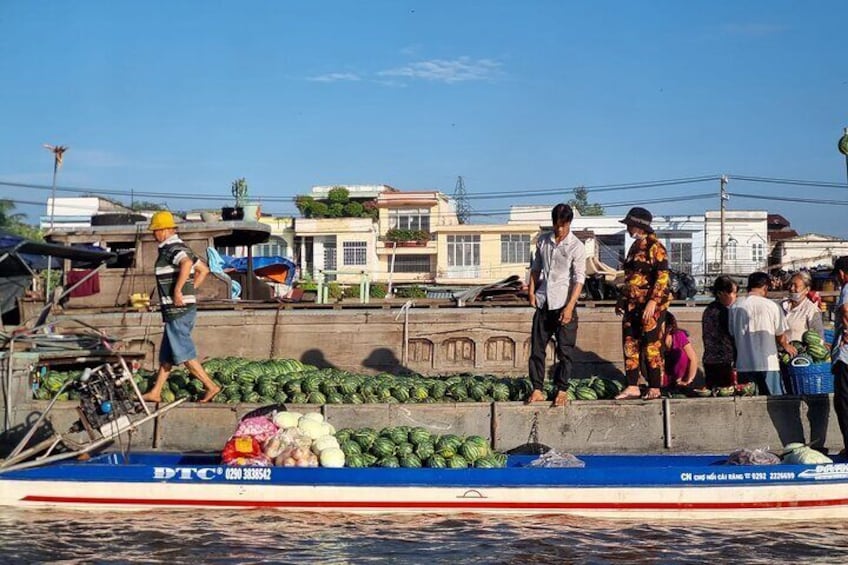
x=646 y=275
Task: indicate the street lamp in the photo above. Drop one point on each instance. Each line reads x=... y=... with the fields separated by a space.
x=58 y=152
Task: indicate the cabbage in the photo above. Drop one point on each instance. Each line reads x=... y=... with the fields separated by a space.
x=332 y=457
x=311 y=428
x=287 y=419
x=328 y=427
x=324 y=442
x=314 y=416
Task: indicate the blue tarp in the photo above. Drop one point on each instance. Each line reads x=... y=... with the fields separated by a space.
x=37 y=254
x=240 y=264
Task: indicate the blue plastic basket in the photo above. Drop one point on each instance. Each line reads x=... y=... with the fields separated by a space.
x=815 y=378
x=828 y=336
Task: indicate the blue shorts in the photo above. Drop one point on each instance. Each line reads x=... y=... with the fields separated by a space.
x=177 y=346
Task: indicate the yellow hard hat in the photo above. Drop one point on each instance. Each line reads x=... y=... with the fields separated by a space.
x=162 y=220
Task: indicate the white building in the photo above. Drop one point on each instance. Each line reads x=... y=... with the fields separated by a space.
x=808 y=251
x=76 y=212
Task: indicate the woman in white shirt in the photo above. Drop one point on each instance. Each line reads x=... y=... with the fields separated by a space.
x=801 y=313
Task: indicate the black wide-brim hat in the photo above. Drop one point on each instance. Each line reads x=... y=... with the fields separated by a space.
x=639 y=217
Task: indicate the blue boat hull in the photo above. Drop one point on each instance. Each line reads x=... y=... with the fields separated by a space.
x=643 y=487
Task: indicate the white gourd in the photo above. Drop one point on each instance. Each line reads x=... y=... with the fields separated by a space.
x=332 y=457
x=323 y=443
x=311 y=428
x=286 y=420
x=314 y=416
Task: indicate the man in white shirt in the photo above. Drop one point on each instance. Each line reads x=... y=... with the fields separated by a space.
x=557 y=275
x=758 y=327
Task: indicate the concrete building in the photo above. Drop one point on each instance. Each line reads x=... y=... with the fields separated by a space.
x=807 y=251
x=76 y=212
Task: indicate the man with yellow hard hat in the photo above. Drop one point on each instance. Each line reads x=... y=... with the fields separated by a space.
x=178 y=274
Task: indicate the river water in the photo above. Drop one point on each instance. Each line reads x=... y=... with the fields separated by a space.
x=258 y=536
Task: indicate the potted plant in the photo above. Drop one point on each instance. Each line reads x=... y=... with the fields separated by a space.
x=239 y=192
x=399 y=237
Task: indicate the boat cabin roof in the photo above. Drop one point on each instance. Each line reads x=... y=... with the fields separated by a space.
x=228 y=233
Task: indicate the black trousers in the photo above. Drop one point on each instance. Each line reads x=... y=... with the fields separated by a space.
x=840 y=398
x=546 y=325
x=718 y=374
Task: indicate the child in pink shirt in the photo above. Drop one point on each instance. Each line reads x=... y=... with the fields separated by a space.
x=681 y=361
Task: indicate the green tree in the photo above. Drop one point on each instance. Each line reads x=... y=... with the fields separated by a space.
x=335 y=210
x=338 y=195
x=353 y=210
x=304 y=205
x=580 y=202
x=145 y=205
x=319 y=210
x=12 y=222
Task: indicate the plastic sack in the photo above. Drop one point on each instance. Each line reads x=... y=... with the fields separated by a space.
x=241 y=447
x=752 y=457
x=555 y=460
x=260 y=461
x=259 y=427
x=800 y=454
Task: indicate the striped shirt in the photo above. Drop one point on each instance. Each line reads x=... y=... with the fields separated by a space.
x=171 y=253
x=560 y=266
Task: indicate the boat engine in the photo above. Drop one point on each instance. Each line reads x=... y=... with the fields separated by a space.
x=108 y=398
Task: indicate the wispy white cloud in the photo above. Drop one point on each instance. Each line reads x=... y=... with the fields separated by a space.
x=335 y=77
x=753 y=29
x=448 y=71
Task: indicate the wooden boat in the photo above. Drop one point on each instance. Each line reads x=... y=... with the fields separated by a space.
x=633 y=487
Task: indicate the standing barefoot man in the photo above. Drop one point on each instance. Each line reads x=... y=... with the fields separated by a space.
x=178 y=274
x=556 y=279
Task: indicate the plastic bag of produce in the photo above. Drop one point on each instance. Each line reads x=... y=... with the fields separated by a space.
x=555 y=459
x=801 y=454
x=260 y=461
x=241 y=447
x=260 y=427
x=752 y=457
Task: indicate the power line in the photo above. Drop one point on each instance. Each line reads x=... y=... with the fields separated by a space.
x=594 y=189
x=788 y=199
x=789 y=182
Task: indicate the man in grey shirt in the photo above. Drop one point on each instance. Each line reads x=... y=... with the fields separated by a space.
x=557 y=274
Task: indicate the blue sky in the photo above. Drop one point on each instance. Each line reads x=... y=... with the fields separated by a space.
x=181 y=98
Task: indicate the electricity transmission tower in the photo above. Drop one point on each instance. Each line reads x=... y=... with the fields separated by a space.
x=463 y=208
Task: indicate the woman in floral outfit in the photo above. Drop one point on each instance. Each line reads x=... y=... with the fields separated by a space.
x=643 y=303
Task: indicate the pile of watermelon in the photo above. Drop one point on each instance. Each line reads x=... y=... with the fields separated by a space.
x=404 y=446
x=592 y=388
x=811 y=348
x=290 y=381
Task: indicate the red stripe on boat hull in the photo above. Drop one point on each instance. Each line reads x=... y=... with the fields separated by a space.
x=431 y=505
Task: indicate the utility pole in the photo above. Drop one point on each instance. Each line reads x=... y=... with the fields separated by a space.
x=58 y=152
x=723 y=196
x=463 y=208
